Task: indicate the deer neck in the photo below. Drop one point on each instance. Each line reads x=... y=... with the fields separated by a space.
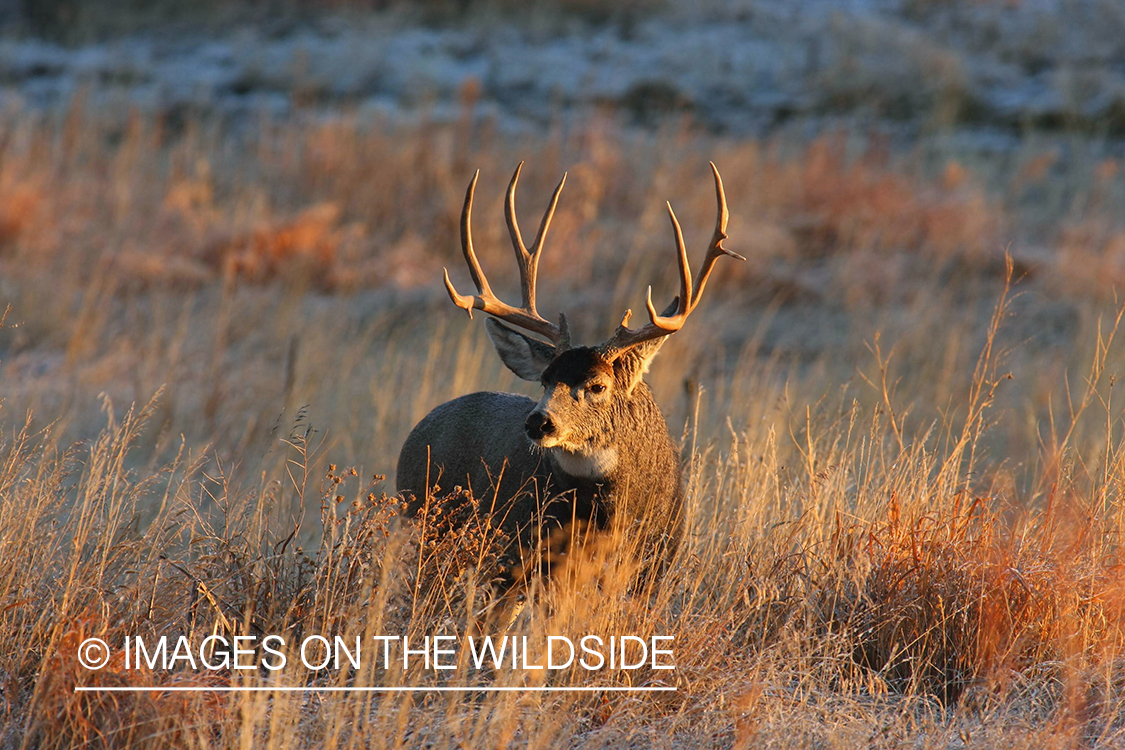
x=594 y=463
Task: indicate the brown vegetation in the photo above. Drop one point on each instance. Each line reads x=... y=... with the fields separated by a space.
x=889 y=540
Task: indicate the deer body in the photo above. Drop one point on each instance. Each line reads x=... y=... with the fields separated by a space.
x=630 y=476
x=594 y=452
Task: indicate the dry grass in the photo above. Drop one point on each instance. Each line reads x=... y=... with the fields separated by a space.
x=889 y=541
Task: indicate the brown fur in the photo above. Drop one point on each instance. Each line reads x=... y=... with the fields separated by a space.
x=480 y=442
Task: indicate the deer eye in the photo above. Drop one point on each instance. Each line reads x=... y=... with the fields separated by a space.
x=597 y=388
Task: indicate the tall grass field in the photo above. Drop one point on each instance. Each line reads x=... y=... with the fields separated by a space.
x=900 y=424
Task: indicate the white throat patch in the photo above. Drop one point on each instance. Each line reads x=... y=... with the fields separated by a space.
x=589 y=465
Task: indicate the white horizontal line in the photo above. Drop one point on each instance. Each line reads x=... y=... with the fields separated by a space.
x=440 y=689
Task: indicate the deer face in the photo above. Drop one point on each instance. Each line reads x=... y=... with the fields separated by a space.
x=578 y=392
x=585 y=393
x=580 y=389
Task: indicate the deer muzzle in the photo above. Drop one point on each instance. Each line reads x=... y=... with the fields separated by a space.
x=539 y=426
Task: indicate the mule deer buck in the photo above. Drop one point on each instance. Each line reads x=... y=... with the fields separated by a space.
x=595 y=451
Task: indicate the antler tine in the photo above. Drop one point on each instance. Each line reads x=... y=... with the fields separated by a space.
x=479 y=279
x=674 y=317
x=684 y=300
x=525 y=317
x=715 y=247
x=548 y=215
x=510 y=215
x=467 y=238
x=545 y=224
x=528 y=261
x=527 y=265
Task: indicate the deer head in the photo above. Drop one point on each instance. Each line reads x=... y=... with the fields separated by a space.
x=588 y=390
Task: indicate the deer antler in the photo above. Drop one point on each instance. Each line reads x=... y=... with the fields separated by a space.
x=526 y=316
x=673 y=318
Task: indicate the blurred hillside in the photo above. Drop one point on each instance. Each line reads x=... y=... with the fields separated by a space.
x=994 y=69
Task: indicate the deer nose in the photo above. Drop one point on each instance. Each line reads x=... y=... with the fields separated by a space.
x=539 y=425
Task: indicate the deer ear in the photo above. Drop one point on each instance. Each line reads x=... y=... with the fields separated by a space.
x=524 y=356
x=633 y=364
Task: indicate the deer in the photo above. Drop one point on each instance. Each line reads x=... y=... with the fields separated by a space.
x=594 y=453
